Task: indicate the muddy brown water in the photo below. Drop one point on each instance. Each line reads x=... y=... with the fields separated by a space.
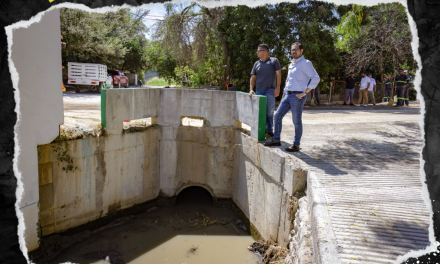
x=191 y=231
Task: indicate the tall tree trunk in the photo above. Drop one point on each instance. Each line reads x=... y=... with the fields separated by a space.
x=226 y=76
x=381 y=66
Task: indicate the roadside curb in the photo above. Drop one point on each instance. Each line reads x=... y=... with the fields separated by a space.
x=325 y=248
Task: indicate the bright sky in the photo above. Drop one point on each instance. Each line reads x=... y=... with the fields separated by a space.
x=156 y=11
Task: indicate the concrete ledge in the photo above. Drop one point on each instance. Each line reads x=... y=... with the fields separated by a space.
x=252 y=112
x=325 y=249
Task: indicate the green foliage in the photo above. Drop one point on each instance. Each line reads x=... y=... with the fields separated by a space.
x=381 y=43
x=189 y=35
x=185 y=76
x=64 y=156
x=350 y=25
x=115 y=39
x=279 y=26
x=156 y=81
x=159 y=58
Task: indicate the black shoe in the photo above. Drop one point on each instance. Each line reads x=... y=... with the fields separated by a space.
x=272 y=142
x=344 y=104
x=270 y=134
x=292 y=148
x=351 y=104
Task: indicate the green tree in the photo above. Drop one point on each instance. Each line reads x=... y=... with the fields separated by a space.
x=115 y=39
x=382 y=43
x=280 y=25
x=190 y=34
x=161 y=60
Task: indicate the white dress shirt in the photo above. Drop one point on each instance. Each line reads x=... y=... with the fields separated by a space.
x=299 y=75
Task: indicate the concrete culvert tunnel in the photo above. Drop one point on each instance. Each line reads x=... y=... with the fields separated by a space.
x=194 y=195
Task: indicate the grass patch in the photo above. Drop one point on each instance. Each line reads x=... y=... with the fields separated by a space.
x=157 y=81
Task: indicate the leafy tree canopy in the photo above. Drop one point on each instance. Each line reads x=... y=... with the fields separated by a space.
x=115 y=39
x=280 y=25
x=378 y=44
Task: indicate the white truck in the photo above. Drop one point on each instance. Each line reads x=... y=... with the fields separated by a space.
x=88 y=75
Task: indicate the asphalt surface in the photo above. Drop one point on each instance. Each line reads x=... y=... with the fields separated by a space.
x=367 y=159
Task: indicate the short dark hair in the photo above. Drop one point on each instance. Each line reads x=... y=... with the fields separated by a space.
x=264 y=46
x=400 y=69
x=351 y=72
x=298 y=44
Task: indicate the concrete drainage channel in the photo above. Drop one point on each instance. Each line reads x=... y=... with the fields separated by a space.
x=86 y=184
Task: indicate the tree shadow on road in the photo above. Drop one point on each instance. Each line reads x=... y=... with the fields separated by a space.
x=400 y=146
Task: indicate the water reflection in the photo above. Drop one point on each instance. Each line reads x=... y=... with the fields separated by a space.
x=132 y=236
x=201 y=250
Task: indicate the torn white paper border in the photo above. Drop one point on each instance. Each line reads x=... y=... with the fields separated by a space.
x=211 y=3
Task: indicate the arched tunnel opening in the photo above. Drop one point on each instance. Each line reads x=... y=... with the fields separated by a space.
x=194 y=195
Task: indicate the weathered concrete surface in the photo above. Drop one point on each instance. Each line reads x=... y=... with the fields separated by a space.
x=301 y=249
x=364 y=188
x=109 y=173
x=36 y=54
x=120 y=169
x=129 y=104
x=247 y=111
x=264 y=187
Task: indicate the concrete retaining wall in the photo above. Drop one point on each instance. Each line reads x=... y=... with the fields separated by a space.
x=85 y=179
x=265 y=185
x=107 y=174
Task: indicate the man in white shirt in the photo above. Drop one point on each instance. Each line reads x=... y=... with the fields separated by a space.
x=372 y=88
x=301 y=71
x=363 y=89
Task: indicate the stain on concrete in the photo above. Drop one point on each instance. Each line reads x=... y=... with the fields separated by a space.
x=101 y=172
x=113 y=208
x=46 y=196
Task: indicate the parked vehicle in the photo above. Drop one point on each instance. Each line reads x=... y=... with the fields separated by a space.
x=86 y=75
x=119 y=78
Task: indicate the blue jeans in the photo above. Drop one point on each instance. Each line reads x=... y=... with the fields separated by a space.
x=295 y=105
x=269 y=93
x=349 y=93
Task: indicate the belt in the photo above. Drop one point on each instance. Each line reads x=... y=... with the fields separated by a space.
x=293 y=92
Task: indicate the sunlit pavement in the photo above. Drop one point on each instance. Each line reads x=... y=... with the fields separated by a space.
x=366 y=159
x=367 y=163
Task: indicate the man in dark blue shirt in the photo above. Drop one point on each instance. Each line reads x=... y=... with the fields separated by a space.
x=349 y=88
x=388 y=81
x=263 y=74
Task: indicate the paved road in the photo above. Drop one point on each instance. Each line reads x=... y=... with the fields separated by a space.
x=367 y=161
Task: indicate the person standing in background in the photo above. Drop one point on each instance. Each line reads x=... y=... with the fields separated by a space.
x=349 y=88
x=372 y=88
x=363 y=89
x=401 y=81
x=408 y=86
x=388 y=82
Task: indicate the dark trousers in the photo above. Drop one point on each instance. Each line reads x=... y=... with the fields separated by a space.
x=406 y=96
x=387 y=95
x=400 y=90
x=349 y=93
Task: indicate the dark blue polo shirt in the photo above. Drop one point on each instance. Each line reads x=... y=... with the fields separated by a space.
x=266 y=73
x=350 y=82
